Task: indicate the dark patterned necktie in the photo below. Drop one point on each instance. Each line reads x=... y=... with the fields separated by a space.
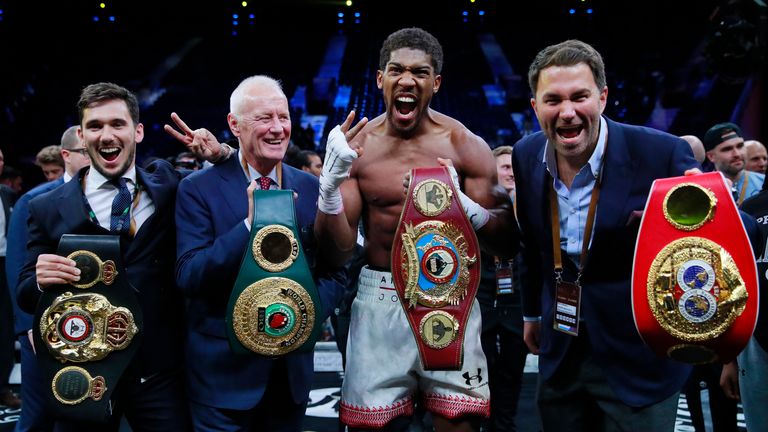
x=120 y=221
x=265 y=183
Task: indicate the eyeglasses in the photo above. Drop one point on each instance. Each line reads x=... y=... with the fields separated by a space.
x=83 y=151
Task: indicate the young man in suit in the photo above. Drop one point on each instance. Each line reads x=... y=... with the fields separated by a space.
x=151 y=393
x=605 y=378
x=229 y=391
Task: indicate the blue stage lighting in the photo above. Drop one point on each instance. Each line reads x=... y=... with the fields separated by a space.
x=572 y=11
x=589 y=11
x=465 y=13
x=340 y=14
x=112 y=19
x=481 y=13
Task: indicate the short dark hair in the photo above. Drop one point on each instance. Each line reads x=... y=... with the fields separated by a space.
x=568 y=53
x=302 y=158
x=106 y=91
x=413 y=38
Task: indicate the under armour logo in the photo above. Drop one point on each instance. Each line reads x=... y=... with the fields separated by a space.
x=469 y=378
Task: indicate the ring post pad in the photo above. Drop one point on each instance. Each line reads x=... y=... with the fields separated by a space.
x=694 y=279
x=87 y=331
x=436 y=267
x=274 y=308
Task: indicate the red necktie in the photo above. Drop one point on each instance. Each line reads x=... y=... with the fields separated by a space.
x=265 y=183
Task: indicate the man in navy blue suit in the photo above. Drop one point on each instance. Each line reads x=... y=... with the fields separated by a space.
x=151 y=393
x=603 y=378
x=230 y=391
x=33 y=415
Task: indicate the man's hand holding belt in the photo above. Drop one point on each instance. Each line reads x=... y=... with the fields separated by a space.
x=478 y=216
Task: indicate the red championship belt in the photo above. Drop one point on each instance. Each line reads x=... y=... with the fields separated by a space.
x=694 y=282
x=436 y=267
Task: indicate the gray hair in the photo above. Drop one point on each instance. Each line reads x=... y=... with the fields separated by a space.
x=241 y=94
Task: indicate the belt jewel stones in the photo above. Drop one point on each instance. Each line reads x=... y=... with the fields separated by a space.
x=436 y=264
x=85 y=327
x=92 y=269
x=72 y=385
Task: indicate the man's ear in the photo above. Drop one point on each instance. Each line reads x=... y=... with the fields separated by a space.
x=233 y=124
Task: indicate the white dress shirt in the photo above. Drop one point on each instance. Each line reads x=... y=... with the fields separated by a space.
x=100 y=192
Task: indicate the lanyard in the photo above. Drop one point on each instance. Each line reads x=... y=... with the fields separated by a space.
x=247 y=170
x=555 y=212
x=743 y=189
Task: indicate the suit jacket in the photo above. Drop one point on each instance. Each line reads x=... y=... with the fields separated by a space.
x=148 y=259
x=17 y=249
x=635 y=157
x=212 y=237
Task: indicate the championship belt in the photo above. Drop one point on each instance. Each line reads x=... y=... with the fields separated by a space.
x=435 y=267
x=274 y=308
x=694 y=281
x=89 y=329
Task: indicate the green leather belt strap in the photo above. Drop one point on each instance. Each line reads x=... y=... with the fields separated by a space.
x=274 y=308
x=87 y=332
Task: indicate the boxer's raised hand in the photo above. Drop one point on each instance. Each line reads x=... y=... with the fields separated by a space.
x=338 y=162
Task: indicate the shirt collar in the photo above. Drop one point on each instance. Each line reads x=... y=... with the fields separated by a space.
x=67 y=177
x=97 y=181
x=594 y=162
x=251 y=174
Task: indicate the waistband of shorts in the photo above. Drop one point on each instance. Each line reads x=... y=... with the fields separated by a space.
x=373 y=283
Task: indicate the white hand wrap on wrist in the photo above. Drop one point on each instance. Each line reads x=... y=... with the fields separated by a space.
x=478 y=216
x=338 y=161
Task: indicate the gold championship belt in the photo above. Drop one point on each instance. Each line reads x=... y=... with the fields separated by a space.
x=89 y=329
x=274 y=307
x=435 y=267
x=694 y=282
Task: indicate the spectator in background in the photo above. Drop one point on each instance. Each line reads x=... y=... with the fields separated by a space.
x=7 y=398
x=502 y=331
x=187 y=160
x=50 y=161
x=757 y=157
x=697 y=147
x=11 y=177
x=309 y=161
x=32 y=417
x=725 y=149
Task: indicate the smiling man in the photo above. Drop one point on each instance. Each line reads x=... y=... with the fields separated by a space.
x=232 y=391
x=384 y=374
x=150 y=393
x=599 y=375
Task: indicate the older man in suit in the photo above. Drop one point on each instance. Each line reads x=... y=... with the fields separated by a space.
x=151 y=392
x=229 y=391
x=603 y=378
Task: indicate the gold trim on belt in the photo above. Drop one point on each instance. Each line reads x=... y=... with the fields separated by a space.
x=72 y=385
x=92 y=269
x=273 y=316
x=85 y=327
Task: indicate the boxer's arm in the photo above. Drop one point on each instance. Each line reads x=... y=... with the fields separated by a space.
x=337 y=233
x=499 y=236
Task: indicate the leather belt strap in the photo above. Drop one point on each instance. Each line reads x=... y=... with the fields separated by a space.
x=435 y=267
x=274 y=308
x=87 y=331
x=694 y=281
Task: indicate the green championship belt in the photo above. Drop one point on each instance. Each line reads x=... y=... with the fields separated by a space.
x=87 y=331
x=274 y=308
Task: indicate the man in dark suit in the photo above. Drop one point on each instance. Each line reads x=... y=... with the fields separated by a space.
x=151 y=392
x=229 y=391
x=33 y=415
x=7 y=398
x=604 y=378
